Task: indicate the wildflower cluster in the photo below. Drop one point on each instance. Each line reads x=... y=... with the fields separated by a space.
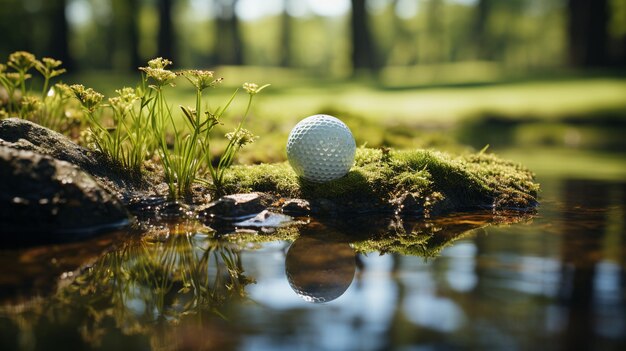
x=252 y=88
x=124 y=101
x=49 y=108
x=201 y=79
x=137 y=123
x=89 y=98
x=22 y=61
x=157 y=71
x=242 y=137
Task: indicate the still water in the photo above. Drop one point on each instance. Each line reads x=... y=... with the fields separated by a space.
x=550 y=280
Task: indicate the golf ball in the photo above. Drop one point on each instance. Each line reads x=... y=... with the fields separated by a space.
x=321 y=148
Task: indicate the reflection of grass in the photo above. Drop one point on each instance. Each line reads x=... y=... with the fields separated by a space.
x=142 y=285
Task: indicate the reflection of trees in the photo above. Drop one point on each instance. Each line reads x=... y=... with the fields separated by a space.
x=581 y=251
x=144 y=289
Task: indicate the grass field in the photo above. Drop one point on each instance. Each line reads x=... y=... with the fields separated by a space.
x=419 y=113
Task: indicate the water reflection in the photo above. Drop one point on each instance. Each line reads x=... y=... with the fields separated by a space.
x=588 y=322
x=319 y=270
x=391 y=283
x=135 y=294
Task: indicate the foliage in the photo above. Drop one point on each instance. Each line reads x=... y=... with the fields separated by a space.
x=143 y=285
x=192 y=147
x=51 y=108
x=138 y=123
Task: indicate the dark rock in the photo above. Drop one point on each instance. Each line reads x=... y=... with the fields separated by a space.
x=25 y=135
x=296 y=207
x=236 y=206
x=51 y=200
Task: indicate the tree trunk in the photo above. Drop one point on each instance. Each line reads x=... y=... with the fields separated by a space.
x=57 y=45
x=435 y=29
x=587 y=32
x=285 y=49
x=363 y=53
x=229 y=49
x=480 y=30
x=165 y=39
x=133 y=34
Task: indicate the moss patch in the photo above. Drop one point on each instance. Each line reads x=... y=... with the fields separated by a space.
x=381 y=178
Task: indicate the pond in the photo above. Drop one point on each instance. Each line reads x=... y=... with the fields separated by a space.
x=554 y=279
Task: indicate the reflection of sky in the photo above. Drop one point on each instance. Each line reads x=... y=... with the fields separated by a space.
x=498 y=290
x=331 y=325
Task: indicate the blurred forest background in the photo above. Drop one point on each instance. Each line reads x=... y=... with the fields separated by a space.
x=401 y=73
x=330 y=37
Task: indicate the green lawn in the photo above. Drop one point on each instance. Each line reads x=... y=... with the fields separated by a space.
x=419 y=114
x=295 y=94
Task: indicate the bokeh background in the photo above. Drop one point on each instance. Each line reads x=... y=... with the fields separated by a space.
x=330 y=37
x=541 y=82
x=512 y=74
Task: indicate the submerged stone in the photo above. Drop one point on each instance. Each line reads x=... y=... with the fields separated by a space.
x=43 y=199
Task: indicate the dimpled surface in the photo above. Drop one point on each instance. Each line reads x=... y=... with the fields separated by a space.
x=321 y=148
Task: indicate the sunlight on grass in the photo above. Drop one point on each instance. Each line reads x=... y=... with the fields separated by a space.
x=568 y=163
x=295 y=95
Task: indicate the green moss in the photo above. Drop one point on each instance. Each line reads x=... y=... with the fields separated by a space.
x=442 y=182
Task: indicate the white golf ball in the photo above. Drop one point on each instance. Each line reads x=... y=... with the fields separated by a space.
x=321 y=148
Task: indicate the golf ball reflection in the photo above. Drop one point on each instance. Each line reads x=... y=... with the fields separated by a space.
x=319 y=271
x=321 y=148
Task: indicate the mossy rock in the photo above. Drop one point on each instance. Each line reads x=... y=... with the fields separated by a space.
x=423 y=182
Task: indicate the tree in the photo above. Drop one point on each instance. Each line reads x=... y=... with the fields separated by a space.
x=587 y=32
x=285 y=53
x=480 y=30
x=126 y=32
x=165 y=47
x=363 y=53
x=56 y=44
x=229 y=48
x=435 y=28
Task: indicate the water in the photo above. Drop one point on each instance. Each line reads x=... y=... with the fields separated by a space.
x=554 y=280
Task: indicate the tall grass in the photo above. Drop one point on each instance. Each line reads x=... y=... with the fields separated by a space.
x=190 y=153
x=137 y=123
